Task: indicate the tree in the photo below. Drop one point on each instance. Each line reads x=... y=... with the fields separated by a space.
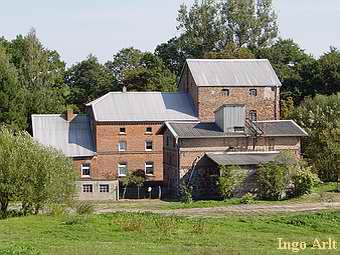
x=320 y=117
x=231 y=177
x=231 y=51
x=87 y=81
x=31 y=173
x=329 y=72
x=12 y=102
x=141 y=71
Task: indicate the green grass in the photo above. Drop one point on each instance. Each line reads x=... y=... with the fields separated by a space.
x=154 y=234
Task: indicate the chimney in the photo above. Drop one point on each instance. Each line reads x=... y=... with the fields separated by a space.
x=69 y=115
x=124 y=89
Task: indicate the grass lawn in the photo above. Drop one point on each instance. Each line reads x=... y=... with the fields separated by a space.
x=323 y=193
x=123 y=233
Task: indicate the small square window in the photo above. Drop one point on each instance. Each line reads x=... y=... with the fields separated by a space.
x=253 y=92
x=148 y=130
x=122 y=130
x=149 y=168
x=122 y=169
x=148 y=145
x=122 y=146
x=226 y=92
x=87 y=188
x=85 y=170
x=253 y=115
x=104 y=188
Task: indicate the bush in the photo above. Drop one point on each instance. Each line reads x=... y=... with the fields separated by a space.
x=304 y=180
x=57 y=210
x=230 y=178
x=73 y=220
x=186 y=193
x=248 y=198
x=84 y=208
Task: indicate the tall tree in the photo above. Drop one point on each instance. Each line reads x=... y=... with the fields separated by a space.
x=87 y=81
x=231 y=51
x=141 y=71
x=330 y=72
x=12 y=97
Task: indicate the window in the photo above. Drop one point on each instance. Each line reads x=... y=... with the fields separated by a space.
x=148 y=145
x=122 y=146
x=271 y=144
x=148 y=130
x=226 y=92
x=149 y=169
x=122 y=130
x=253 y=92
x=87 y=188
x=85 y=170
x=253 y=115
x=104 y=188
x=122 y=169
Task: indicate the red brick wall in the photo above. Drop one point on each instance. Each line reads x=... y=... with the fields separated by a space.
x=108 y=156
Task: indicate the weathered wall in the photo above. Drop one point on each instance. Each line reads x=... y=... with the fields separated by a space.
x=113 y=193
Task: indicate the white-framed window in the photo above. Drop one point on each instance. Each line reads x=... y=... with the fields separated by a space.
x=253 y=115
x=104 y=188
x=122 y=146
x=148 y=145
x=87 y=188
x=226 y=92
x=253 y=92
x=85 y=170
x=122 y=130
x=148 y=130
x=149 y=168
x=122 y=169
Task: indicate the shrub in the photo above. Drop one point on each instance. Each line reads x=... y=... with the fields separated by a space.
x=186 y=193
x=304 y=180
x=230 y=178
x=73 y=220
x=84 y=208
x=248 y=198
x=57 y=210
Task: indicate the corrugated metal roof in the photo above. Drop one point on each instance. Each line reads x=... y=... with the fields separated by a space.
x=200 y=130
x=143 y=106
x=73 y=138
x=280 y=128
x=233 y=72
x=242 y=158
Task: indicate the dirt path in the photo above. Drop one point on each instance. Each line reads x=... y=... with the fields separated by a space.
x=233 y=209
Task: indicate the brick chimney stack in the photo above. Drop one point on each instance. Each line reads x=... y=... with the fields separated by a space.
x=69 y=115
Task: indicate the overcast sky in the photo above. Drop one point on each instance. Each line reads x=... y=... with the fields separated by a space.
x=79 y=27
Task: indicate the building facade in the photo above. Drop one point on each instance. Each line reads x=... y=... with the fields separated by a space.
x=228 y=108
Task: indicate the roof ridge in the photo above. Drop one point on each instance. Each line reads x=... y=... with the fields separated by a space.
x=229 y=59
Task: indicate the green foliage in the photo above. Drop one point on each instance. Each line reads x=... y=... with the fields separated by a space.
x=304 y=180
x=320 y=117
x=186 y=193
x=231 y=177
x=287 y=107
x=32 y=174
x=231 y=51
x=20 y=250
x=88 y=80
x=248 y=198
x=84 y=207
x=141 y=71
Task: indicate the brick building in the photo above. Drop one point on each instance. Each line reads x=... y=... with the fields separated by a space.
x=226 y=112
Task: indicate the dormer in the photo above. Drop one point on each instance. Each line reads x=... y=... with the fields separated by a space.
x=231 y=117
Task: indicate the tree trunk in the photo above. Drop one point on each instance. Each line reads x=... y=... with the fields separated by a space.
x=3 y=205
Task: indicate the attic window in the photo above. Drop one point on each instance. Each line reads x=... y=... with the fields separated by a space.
x=122 y=130
x=253 y=92
x=226 y=92
x=253 y=115
x=148 y=130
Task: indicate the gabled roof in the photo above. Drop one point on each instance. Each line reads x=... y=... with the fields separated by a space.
x=242 y=158
x=280 y=128
x=233 y=72
x=73 y=138
x=143 y=106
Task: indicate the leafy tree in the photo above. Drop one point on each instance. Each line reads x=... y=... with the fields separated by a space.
x=287 y=107
x=231 y=51
x=87 y=81
x=304 y=180
x=12 y=102
x=31 y=173
x=320 y=117
x=230 y=178
x=141 y=71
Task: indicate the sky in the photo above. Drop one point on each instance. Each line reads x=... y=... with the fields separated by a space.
x=79 y=27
